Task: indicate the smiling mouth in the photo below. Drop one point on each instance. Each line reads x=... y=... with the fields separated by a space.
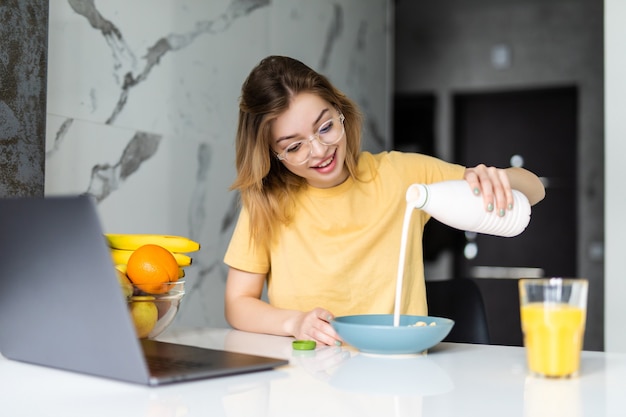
x=326 y=162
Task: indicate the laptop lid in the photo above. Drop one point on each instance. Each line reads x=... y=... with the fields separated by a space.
x=61 y=305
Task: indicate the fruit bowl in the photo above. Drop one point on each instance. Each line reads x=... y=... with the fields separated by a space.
x=375 y=333
x=153 y=313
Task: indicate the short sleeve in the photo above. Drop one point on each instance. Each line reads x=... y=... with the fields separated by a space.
x=242 y=253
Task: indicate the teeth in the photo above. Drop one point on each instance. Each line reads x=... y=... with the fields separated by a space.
x=327 y=163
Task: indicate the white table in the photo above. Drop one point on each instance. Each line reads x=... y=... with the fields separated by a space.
x=451 y=380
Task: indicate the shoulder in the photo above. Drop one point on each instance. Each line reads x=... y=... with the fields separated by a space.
x=414 y=166
x=369 y=160
x=398 y=157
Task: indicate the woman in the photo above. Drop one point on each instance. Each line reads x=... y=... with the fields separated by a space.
x=321 y=220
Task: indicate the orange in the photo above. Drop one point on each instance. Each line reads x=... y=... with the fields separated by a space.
x=151 y=268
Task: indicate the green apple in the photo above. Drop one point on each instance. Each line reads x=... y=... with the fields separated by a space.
x=145 y=315
x=125 y=284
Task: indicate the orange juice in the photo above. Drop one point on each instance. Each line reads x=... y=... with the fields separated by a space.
x=553 y=336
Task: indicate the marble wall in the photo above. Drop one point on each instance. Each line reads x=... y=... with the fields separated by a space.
x=142 y=106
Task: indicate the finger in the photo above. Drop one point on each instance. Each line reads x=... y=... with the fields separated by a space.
x=325 y=336
x=330 y=335
x=320 y=328
x=503 y=196
x=507 y=191
x=326 y=315
x=498 y=190
x=471 y=177
x=481 y=179
x=485 y=177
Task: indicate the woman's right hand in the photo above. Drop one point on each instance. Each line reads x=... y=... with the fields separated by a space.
x=315 y=325
x=245 y=311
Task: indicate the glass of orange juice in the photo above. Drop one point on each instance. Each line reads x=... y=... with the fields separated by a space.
x=553 y=313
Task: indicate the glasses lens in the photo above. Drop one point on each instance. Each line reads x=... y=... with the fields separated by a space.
x=298 y=152
x=329 y=133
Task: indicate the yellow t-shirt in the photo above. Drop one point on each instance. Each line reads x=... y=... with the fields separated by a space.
x=342 y=249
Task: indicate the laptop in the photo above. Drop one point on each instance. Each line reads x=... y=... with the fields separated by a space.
x=61 y=305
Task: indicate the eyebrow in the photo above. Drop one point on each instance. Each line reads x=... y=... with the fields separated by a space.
x=319 y=117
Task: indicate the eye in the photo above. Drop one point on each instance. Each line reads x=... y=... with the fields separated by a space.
x=326 y=127
x=294 y=147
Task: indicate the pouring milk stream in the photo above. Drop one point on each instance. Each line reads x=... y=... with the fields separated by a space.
x=454 y=204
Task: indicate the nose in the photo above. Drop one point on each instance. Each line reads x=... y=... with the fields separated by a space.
x=317 y=148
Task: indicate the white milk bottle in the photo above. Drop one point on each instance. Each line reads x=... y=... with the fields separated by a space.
x=453 y=203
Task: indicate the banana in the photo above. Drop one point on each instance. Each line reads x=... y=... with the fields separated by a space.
x=121 y=256
x=175 y=244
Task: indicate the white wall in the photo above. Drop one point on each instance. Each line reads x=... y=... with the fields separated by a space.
x=615 y=153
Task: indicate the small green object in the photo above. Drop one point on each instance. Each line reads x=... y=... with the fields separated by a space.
x=303 y=344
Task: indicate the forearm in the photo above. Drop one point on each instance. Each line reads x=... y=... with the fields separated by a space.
x=245 y=310
x=254 y=315
x=526 y=182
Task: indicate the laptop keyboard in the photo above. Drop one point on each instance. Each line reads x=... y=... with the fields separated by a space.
x=160 y=364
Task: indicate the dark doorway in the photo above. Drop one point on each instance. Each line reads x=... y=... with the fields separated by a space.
x=414 y=123
x=414 y=131
x=536 y=129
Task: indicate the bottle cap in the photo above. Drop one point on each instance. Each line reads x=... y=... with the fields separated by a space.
x=416 y=195
x=303 y=344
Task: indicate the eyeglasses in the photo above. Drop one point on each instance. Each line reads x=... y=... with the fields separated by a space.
x=329 y=133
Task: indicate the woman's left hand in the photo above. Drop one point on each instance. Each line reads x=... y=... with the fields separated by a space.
x=493 y=184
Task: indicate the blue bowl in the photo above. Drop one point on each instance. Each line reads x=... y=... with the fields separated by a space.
x=375 y=333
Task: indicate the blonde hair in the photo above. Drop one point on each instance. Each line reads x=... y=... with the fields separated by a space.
x=264 y=184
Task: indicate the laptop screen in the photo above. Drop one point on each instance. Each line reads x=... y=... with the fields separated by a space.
x=60 y=302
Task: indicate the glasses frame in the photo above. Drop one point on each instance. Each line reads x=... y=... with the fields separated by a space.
x=315 y=136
